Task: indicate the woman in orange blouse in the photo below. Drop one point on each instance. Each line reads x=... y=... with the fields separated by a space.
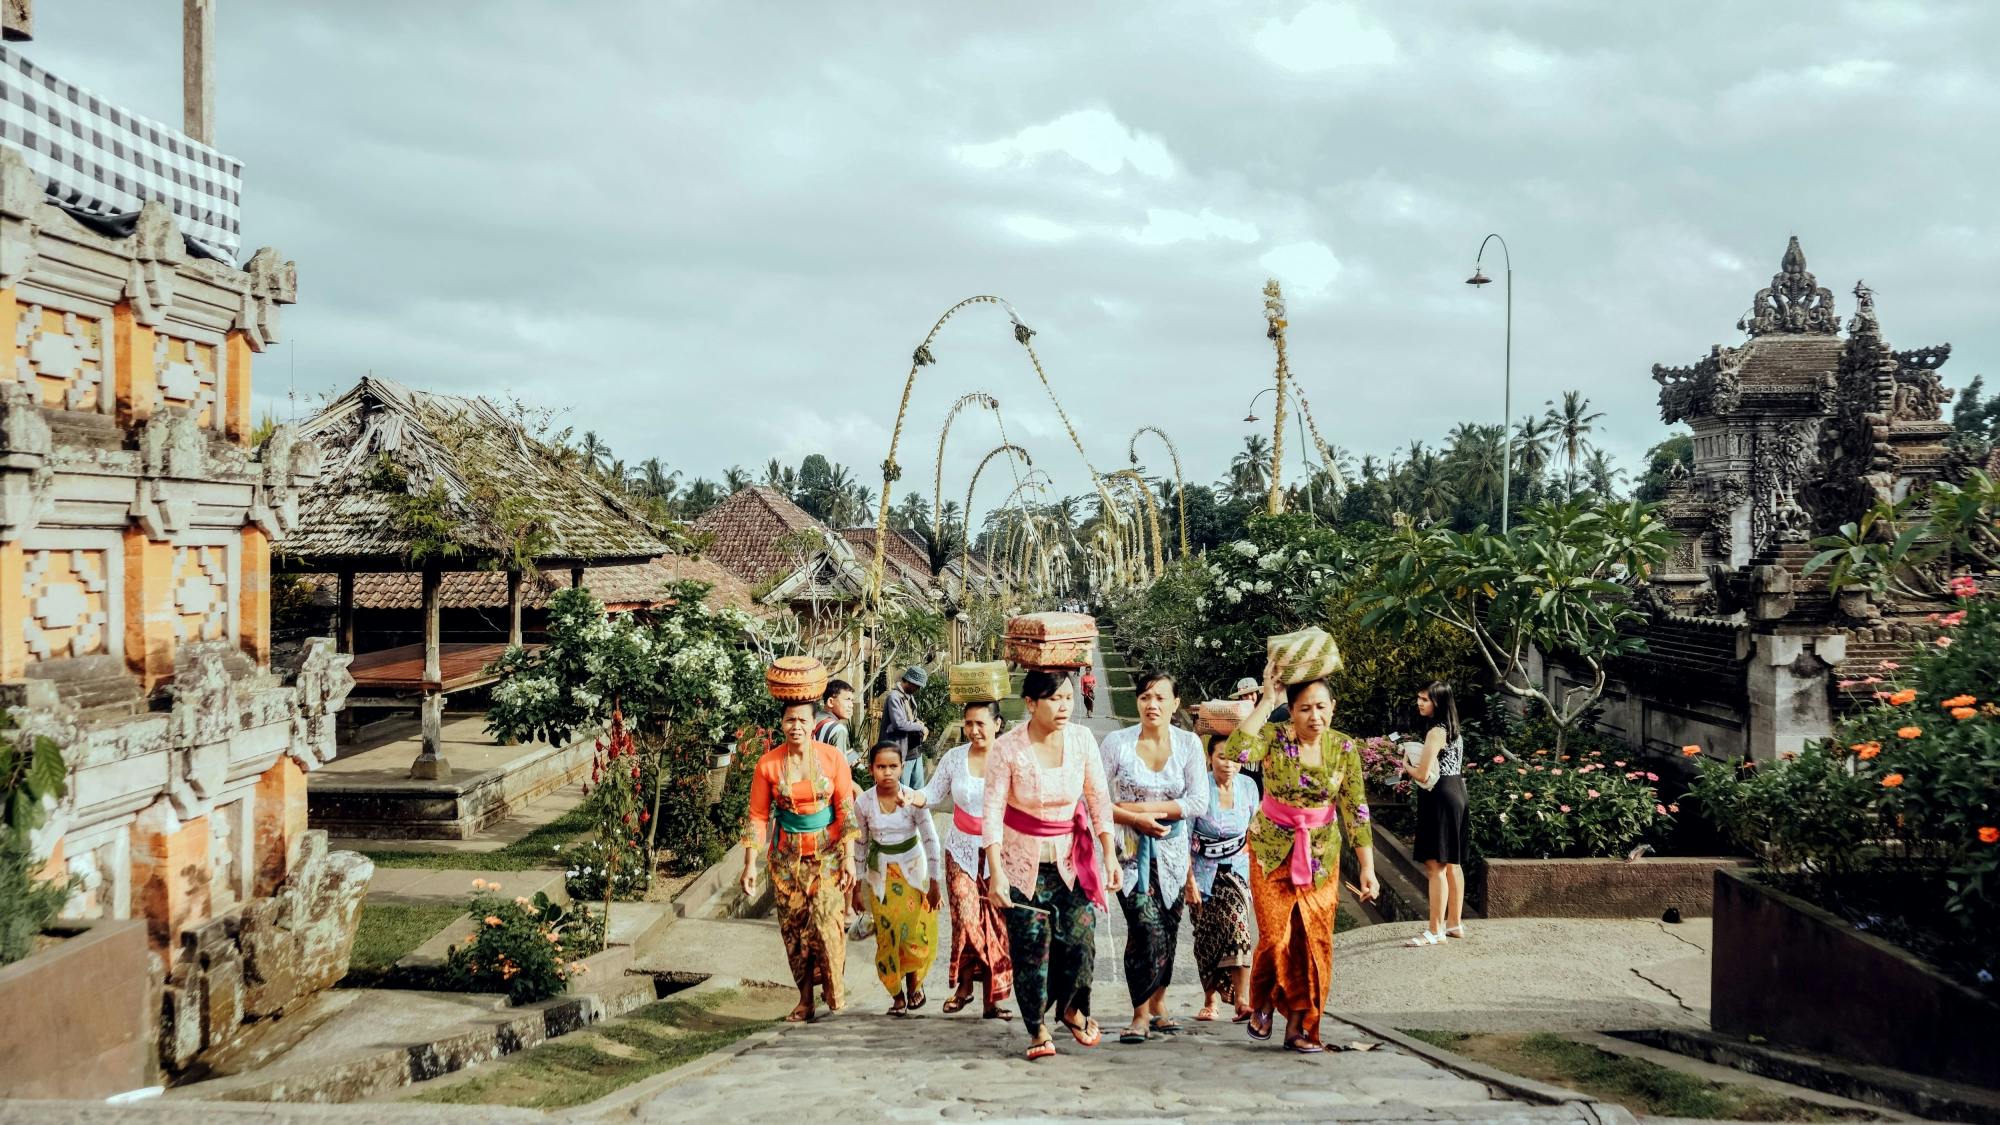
x=806 y=788
x=1047 y=834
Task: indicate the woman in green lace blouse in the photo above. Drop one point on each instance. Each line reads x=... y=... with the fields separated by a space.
x=1313 y=801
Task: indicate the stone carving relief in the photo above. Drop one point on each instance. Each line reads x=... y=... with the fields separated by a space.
x=186 y=376
x=1793 y=304
x=26 y=477
x=61 y=357
x=201 y=590
x=287 y=466
x=1782 y=463
x=1710 y=386
x=321 y=688
x=67 y=597
x=157 y=250
x=206 y=713
x=1920 y=393
x=173 y=454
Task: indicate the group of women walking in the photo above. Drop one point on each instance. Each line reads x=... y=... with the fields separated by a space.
x=1046 y=827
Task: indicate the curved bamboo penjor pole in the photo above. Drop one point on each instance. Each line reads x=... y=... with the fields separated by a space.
x=976 y=398
x=1135 y=566
x=1180 y=487
x=965 y=548
x=1005 y=538
x=1274 y=314
x=1145 y=492
x=1327 y=462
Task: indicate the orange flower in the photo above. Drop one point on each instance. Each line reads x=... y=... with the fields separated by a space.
x=1989 y=835
x=492 y=919
x=1891 y=781
x=1959 y=701
x=1868 y=750
x=1690 y=751
x=1907 y=695
x=1963 y=713
x=1907 y=733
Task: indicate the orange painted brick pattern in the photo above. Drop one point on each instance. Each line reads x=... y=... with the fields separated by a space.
x=13 y=611
x=170 y=881
x=236 y=416
x=280 y=821
x=149 y=607
x=133 y=381
x=253 y=580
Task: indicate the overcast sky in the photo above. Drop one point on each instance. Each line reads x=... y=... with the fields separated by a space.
x=714 y=232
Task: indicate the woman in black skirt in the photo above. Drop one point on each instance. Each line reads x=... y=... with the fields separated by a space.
x=1443 y=828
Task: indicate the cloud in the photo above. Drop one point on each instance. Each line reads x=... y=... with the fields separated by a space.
x=1164 y=227
x=1038 y=229
x=1326 y=36
x=1305 y=269
x=1094 y=138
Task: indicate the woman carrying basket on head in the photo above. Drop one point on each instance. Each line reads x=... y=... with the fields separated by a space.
x=1313 y=802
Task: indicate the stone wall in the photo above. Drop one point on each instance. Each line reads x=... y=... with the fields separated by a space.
x=1600 y=888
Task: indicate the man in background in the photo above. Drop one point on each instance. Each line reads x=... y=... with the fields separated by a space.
x=901 y=725
x=836 y=713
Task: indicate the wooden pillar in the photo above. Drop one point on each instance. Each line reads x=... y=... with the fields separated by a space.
x=430 y=765
x=514 y=607
x=576 y=577
x=346 y=640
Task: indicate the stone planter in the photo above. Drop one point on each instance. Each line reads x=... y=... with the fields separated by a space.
x=1797 y=975
x=718 y=777
x=81 y=1015
x=1598 y=888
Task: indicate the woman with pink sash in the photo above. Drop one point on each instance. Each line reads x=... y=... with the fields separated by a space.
x=978 y=927
x=1047 y=833
x=1313 y=801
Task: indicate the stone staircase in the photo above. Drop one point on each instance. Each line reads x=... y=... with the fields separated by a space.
x=99 y=687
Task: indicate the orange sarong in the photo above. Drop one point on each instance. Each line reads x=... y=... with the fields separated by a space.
x=1292 y=970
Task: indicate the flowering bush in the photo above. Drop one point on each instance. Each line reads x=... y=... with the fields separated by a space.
x=1575 y=804
x=528 y=948
x=1905 y=790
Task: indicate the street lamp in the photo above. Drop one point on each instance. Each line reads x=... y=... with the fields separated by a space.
x=1507 y=389
x=1250 y=415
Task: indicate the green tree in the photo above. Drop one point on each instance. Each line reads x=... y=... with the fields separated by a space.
x=1661 y=462
x=1571 y=425
x=1557 y=582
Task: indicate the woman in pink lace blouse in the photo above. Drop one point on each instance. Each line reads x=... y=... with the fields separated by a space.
x=1047 y=834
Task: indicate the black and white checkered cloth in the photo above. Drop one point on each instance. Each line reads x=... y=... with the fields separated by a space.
x=98 y=159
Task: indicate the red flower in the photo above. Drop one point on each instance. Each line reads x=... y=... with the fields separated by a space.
x=1989 y=835
x=1892 y=781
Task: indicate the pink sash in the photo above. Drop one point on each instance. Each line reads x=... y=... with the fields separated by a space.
x=965 y=822
x=1301 y=822
x=1083 y=846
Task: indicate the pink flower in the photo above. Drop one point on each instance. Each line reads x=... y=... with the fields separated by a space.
x=1942 y=642
x=1848 y=685
x=1591 y=793
x=1890 y=665
x=1652 y=777
x=1964 y=587
x=1871 y=679
x=1521 y=770
x=1558 y=773
x=1499 y=757
x=1659 y=808
x=1563 y=808
x=1674 y=808
x=1620 y=765
x=1951 y=619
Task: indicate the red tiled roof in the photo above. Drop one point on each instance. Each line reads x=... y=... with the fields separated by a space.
x=746 y=530
x=903 y=558
x=618 y=587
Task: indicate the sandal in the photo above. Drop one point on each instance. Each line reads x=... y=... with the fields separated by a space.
x=1167 y=1025
x=956 y=1004
x=1259 y=1026
x=897 y=1008
x=1089 y=1035
x=1242 y=1015
x=1304 y=1046
x=918 y=999
x=1130 y=1036
x=801 y=1014
x=996 y=1012
x=1206 y=1015
x=1046 y=1049
x=1455 y=932
x=1425 y=938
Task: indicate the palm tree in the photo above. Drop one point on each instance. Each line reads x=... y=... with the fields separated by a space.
x=1250 y=470
x=1571 y=425
x=654 y=480
x=861 y=506
x=616 y=476
x=1602 y=474
x=736 y=479
x=1531 y=449
x=1475 y=461
x=913 y=512
x=699 y=497
x=593 y=451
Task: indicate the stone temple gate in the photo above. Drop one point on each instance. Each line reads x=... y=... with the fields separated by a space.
x=1797 y=430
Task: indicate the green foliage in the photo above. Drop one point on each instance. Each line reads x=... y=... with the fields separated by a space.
x=32 y=776
x=1912 y=547
x=1558 y=582
x=1529 y=798
x=387 y=933
x=527 y=948
x=1670 y=457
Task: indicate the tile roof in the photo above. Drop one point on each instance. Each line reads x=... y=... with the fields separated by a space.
x=629 y=586
x=345 y=518
x=746 y=530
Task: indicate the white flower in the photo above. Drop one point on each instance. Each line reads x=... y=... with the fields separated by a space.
x=1302 y=558
x=1233 y=594
x=1245 y=548
x=1264 y=587
x=1271 y=561
x=1201 y=604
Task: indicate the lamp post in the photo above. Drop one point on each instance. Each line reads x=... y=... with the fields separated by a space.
x=1507 y=387
x=1250 y=416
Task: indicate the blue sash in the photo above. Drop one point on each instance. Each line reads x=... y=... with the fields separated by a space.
x=1144 y=880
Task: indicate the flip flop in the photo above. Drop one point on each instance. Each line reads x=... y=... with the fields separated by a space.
x=997 y=1013
x=1259 y=1026
x=1089 y=1035
x=1304 y=1046
x=1167 y=1025
x=1043 y=1050
x=954 y=1005
x=1242 y=1016
x=1206 y=1015
x=1130 y=1036
x=919 y=1000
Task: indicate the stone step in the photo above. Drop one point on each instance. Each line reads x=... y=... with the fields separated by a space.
x=430 y=886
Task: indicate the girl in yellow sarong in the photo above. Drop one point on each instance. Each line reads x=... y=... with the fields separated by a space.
x=902 y=880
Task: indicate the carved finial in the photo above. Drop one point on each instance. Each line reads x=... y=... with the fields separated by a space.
x=1794 y=304
x=1863 y=324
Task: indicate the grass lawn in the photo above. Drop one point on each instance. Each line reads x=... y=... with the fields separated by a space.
x=586 y=1065
x=386 y=934
x=1645 y=1088
x=536 y=849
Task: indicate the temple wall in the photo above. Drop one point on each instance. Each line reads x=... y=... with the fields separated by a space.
x=136 y=528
